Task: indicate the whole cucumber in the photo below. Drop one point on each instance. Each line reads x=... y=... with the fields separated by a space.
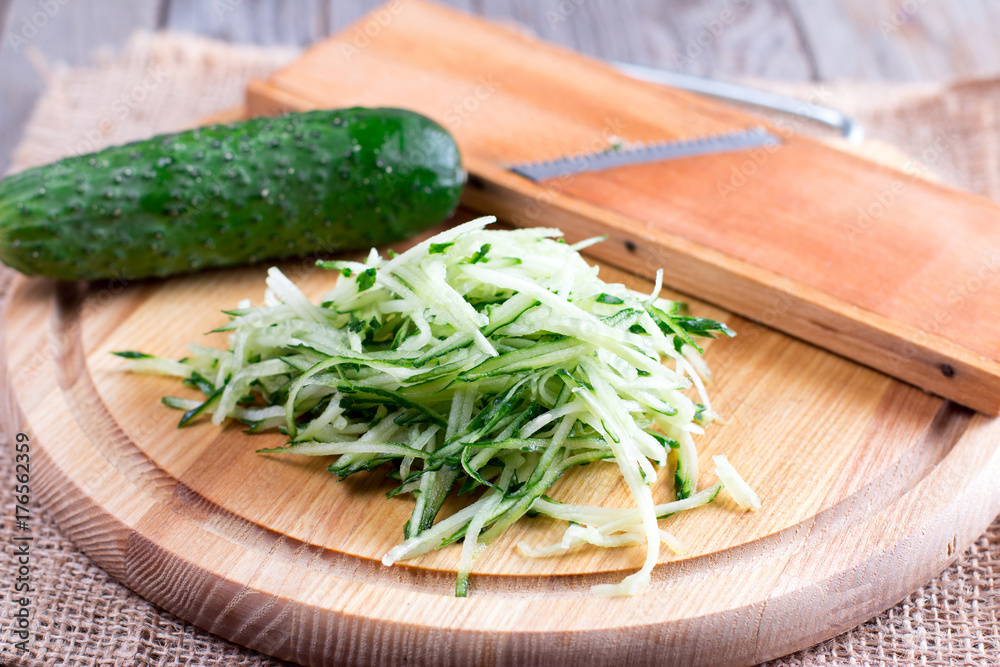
x=266 y=188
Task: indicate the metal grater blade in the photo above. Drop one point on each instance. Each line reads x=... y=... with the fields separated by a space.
x=754 y=137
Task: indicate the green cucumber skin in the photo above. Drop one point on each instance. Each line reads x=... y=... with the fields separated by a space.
x=268 y=188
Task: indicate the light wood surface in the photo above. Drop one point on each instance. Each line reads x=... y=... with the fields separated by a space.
x=869 y=262
x=869 y=488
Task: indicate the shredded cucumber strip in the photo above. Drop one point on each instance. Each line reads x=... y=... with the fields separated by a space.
x=742 y=493
x=481 y=365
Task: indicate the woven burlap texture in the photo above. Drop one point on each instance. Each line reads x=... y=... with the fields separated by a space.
x=166 y=82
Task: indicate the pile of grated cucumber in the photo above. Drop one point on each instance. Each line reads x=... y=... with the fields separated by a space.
x=479 y=362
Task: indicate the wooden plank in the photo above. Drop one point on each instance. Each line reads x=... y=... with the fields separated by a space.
x=340 y=15
x=67 y=32
x=901 y=41
x=847 y=254
x=723 y=39
x=559 y=24
x=5 y=6
x=265 y=22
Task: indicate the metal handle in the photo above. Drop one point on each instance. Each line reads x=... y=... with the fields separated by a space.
x=847 y=126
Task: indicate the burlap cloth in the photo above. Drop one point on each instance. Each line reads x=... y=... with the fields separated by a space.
x=166 y=82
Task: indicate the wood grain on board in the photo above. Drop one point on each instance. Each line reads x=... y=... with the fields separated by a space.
x=869 y=487
x=869 y=262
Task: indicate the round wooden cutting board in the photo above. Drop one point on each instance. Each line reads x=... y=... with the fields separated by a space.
x=869 y=487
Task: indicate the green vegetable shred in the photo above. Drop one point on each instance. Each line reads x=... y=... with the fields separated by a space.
x=479 y=363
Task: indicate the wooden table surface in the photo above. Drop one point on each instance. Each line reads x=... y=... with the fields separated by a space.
x=818 y=40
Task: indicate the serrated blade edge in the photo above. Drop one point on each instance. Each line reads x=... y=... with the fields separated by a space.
x=739 y=140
